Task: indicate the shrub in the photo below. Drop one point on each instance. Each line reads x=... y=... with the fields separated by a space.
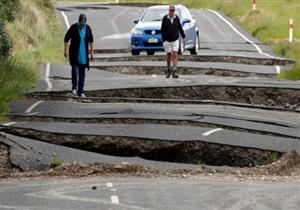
x=8 y=9
x=4 y=42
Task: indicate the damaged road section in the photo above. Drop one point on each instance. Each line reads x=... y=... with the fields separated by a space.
x=167 y=143
x=160 y=70
x=5 y=165
x=268 y=96
x=203 y=58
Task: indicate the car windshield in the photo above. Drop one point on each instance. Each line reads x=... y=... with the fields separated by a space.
x=155 y=14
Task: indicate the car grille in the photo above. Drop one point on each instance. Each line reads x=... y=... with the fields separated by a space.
x=147 y=44
x=150 y=31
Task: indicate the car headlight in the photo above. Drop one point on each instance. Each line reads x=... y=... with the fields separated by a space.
x=137 y=32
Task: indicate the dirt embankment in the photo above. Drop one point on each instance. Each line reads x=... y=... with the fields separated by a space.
x=6 y=168
x=285 y=168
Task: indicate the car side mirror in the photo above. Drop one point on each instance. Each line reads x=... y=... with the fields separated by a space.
x=135 y=21
x=186 y=21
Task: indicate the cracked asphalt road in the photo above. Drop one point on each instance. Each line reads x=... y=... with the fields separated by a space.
x=148 y=194
x=243 y=125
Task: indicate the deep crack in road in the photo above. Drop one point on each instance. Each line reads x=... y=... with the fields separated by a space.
x=226 y=108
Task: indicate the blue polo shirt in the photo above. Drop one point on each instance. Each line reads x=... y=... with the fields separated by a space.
x=82 y=50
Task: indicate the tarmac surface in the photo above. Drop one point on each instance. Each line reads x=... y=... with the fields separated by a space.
x=150 y=193
x=50 y=110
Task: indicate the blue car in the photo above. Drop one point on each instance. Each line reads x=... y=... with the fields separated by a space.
x=146 y=35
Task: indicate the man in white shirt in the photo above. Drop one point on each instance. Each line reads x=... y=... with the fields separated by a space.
x=170 y=30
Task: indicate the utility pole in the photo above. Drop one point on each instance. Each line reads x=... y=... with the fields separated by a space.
x=253 y=4
x=291 y=30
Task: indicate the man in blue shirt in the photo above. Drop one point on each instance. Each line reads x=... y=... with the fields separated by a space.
x=81 y=37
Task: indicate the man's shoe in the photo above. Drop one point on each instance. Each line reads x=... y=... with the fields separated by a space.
x=168 y=73
x=74 y=92
x=82 y=95
x=174 y=75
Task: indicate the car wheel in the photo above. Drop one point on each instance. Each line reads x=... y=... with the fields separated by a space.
x=181 y=46
x=150 y=52
x=135 y=52
x=195 y=50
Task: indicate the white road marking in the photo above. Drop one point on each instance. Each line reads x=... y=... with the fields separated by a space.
x=117 y=36
x=47 y=80
x=33 y=106
x=54 y=194
x=66 y=19
x=109 y=184
x=31 y=114
x=114 y=199
x=242 y=35
x=9 y=124
x=211 y=131
x=2 y=207
x=59 y=192
x=278 y=69
x=113 y=20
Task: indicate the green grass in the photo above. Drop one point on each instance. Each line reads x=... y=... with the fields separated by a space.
x=56 y=162
x=42 y=41
x=37 y=37
x=292 y=74
x=271 y=157
x=15 y=78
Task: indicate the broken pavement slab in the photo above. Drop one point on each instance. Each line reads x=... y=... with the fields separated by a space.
x=269 y=122
x=152 y=141
x=30 y=155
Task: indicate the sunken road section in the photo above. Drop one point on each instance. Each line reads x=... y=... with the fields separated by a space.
x=268 y=96
x=204 y=58
x=195 y=152
x=159 y=70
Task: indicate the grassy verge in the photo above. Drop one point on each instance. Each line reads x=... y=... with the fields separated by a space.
x=42 y=41
x=15 y=79
x=35 y=36
x=268 y=23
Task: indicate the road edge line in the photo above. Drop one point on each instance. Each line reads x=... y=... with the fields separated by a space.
x=66 y=19
x=47 y=80
x=242 y=35
x=32 y=107
x=9 y=123
x=212 y=131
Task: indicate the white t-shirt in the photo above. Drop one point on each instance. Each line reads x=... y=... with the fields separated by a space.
x=172 y=18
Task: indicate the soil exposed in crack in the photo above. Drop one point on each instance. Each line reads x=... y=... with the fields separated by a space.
x=285 y=168
x=132 y=4
x=6 y=168
x=268 y=96
x=127 y=120
x=152 y=149
x=149 y=70
x=204 y=58
x=264 y=96
x=89 y=7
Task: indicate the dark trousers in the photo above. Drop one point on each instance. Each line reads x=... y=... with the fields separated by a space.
x=78 y=77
